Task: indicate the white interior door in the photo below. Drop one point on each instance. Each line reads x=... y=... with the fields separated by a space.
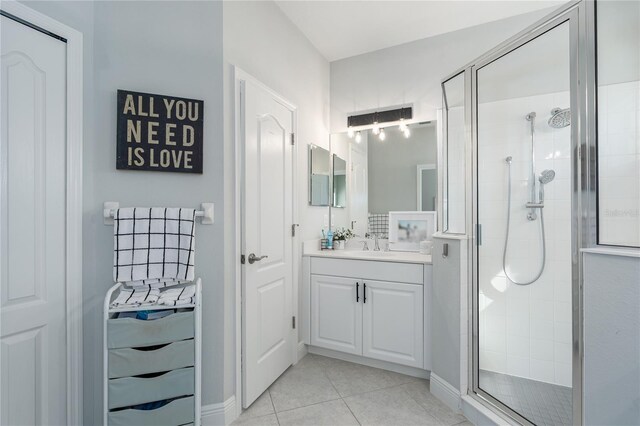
x=32 y=227
x=267 y=209
x=358 y=204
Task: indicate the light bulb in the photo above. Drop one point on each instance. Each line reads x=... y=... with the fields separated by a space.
x=376 y=128
x=358 y=137
x=350 y=132
x=406 y=132
x=402 y=126
x=382 y=135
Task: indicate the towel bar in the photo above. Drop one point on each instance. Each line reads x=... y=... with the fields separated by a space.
x=109 y=208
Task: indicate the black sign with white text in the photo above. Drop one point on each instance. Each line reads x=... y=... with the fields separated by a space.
x=157 y=132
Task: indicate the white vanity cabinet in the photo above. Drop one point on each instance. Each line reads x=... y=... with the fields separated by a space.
x=370 y=308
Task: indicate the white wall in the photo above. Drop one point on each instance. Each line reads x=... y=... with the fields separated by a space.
x=148 y=47
x=411 y=73
x=261 y=40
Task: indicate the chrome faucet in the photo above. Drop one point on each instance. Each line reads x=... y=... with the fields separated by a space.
x=376 y=246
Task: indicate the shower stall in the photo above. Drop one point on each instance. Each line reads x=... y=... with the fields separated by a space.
x=526 y=115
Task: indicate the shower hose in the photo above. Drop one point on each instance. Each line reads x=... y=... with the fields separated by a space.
x=506 y=239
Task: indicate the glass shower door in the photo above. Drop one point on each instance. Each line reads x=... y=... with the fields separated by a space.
x=523 y=259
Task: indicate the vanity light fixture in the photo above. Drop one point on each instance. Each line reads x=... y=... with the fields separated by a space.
x=358 y=137
x=350 y=132
x=373 y=120
x=382 y=135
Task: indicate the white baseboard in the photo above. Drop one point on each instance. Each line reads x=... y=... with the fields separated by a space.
x=445 y=392
x=220 y=414
x=384 y=365
x=302 y=350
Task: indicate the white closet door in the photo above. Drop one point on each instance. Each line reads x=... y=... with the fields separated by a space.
x=32 y=227
x=393 y=322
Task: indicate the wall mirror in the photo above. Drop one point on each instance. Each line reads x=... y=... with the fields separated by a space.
x=397 y=172
x=319 y=176
x=339 y=185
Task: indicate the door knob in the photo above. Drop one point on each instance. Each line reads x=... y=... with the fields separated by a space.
x=253 y=258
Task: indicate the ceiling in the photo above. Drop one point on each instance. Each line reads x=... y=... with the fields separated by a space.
x=340 y=29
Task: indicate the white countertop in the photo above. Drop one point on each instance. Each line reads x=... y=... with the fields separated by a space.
x=378 y=256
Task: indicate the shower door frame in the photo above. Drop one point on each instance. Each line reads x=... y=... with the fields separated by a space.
x=580 y=16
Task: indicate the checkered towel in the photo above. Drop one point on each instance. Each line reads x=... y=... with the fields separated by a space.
x=178 y=296
x=140 y=296
x=153 y=244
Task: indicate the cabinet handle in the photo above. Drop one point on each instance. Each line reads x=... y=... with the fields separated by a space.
x=357 y=292
x=364 y=290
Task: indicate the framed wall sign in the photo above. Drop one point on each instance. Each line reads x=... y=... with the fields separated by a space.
x=158 y=132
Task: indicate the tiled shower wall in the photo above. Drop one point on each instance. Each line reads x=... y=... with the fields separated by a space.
x=524 y=330
x=619 y=163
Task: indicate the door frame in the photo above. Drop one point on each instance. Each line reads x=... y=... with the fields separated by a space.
x=74 y=128
x=239 y=76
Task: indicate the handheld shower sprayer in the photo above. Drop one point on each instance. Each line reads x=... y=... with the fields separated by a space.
x=545 y=177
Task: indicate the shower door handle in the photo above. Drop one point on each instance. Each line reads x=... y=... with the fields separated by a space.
x=534 y=205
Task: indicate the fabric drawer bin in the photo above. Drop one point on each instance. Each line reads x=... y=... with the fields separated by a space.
x=139 y=390
x=133 y=333
x=178 y=412
x=134 y=362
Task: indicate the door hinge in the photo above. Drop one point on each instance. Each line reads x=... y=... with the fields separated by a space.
x=242 y=259
x=293 y=139
x=293 y=322
x=478 y=234
x=293 y=229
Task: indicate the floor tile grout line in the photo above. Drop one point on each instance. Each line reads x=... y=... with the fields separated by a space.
x=375 y=390
x=273 y=406
x=351 y=411
x=309 y=405
x=332 y=384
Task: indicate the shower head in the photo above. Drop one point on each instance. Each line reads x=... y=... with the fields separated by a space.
x=560 y=118
x=546 y=176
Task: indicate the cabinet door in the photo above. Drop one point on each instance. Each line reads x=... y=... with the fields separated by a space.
x=393 y=323
x=336 y=316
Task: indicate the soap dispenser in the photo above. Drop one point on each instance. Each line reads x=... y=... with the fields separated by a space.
x=330 y=239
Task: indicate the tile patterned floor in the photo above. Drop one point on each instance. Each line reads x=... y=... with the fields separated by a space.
x=541 y=403
x=325 y=391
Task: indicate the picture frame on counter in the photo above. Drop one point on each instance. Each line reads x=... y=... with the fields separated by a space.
x=408 y=228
